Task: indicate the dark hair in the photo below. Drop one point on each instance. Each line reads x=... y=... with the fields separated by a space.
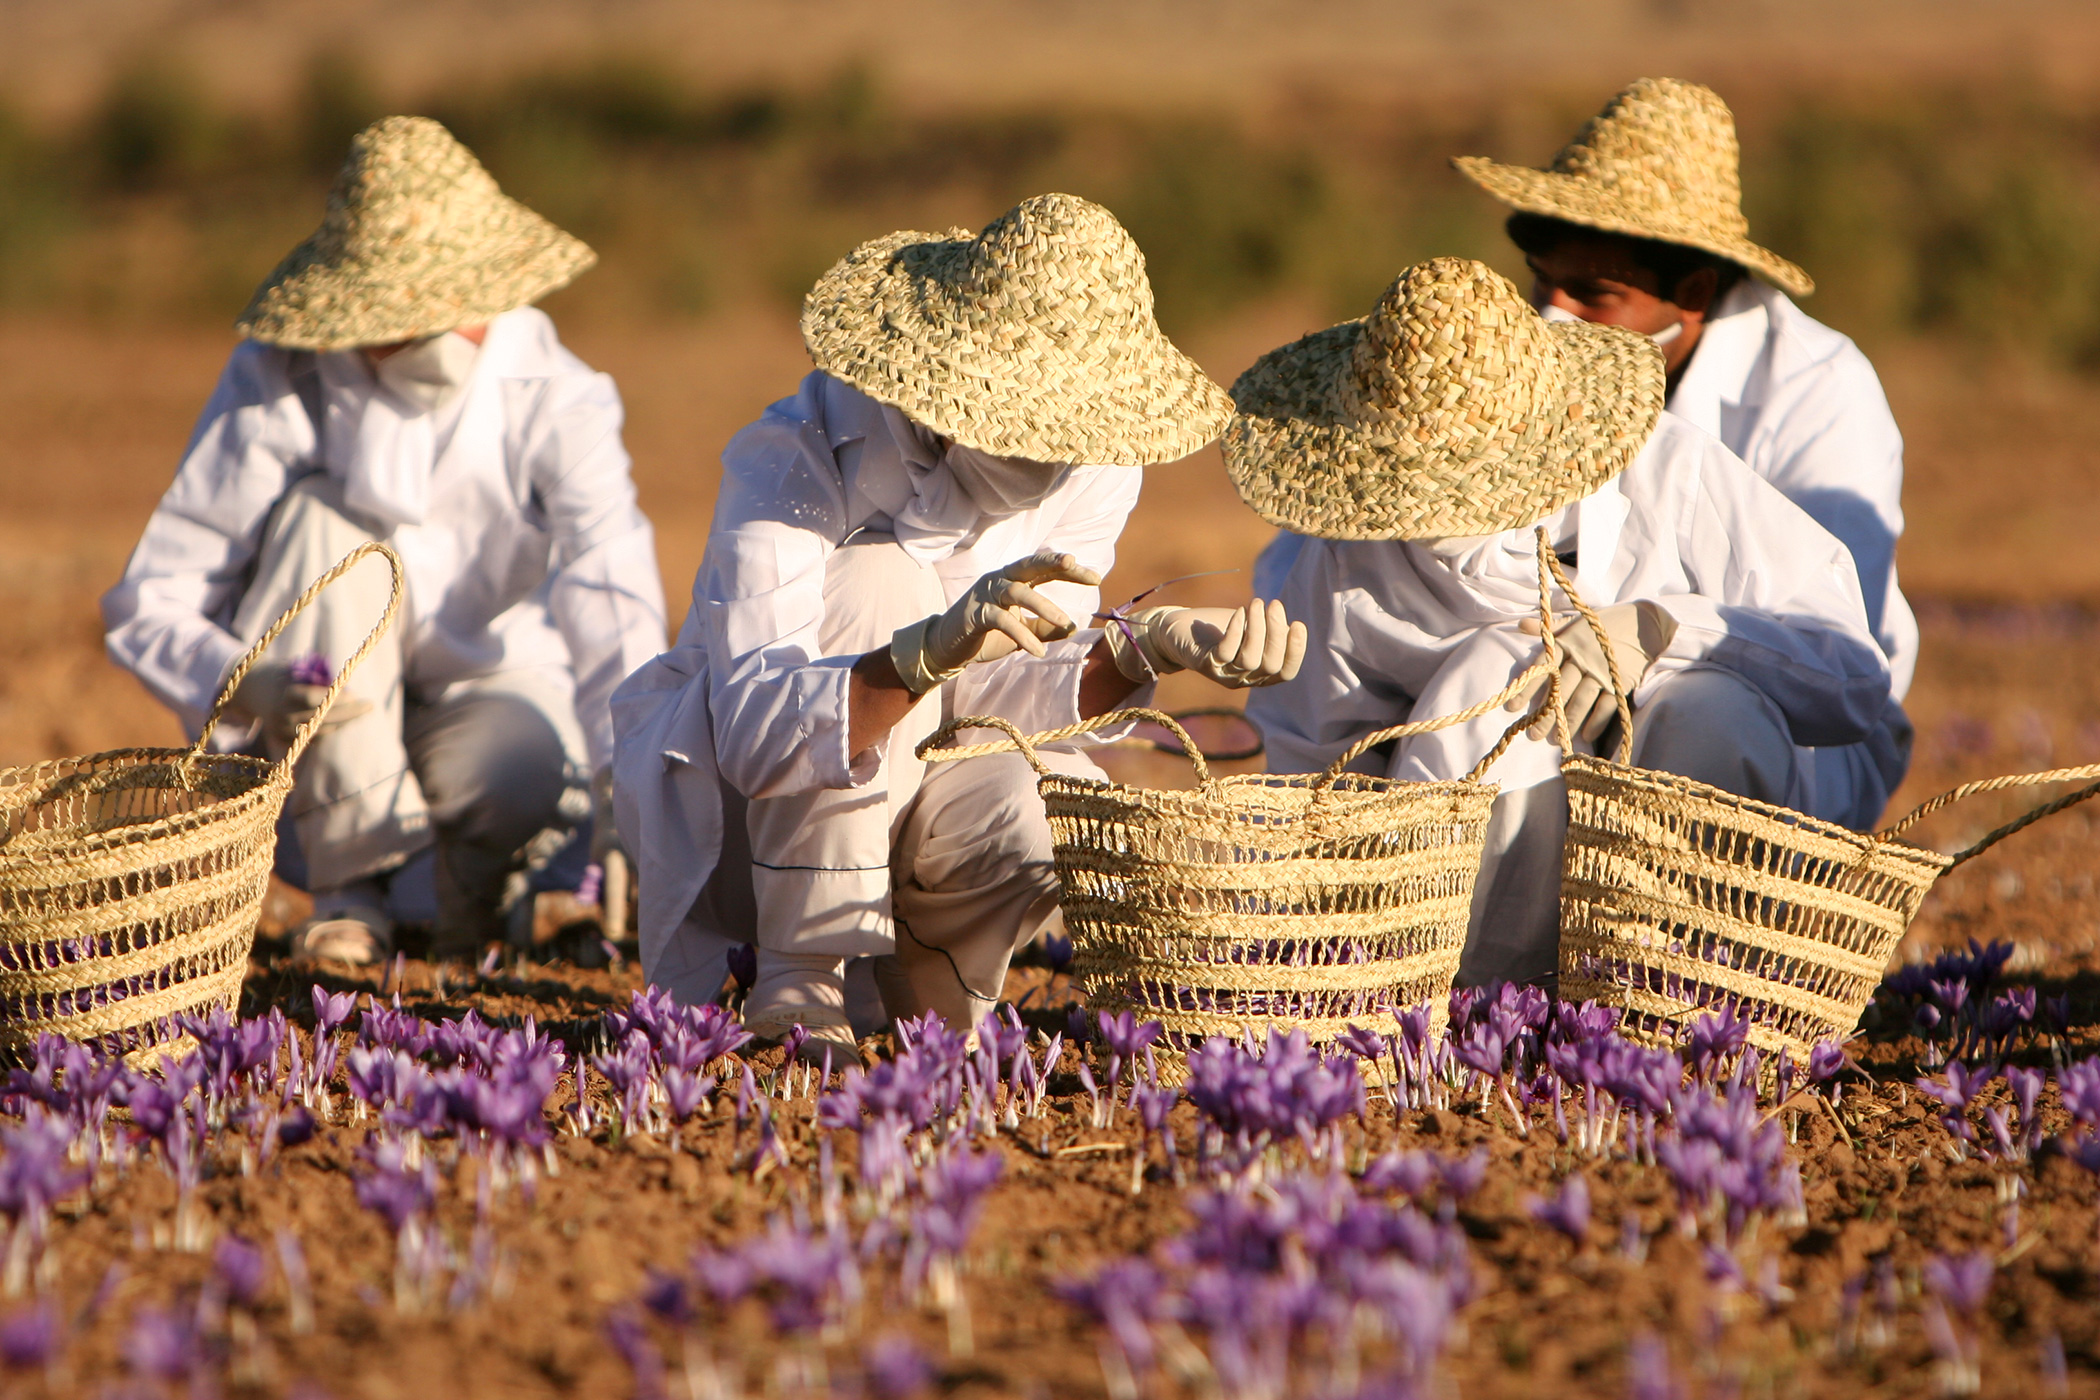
x=1670 y=262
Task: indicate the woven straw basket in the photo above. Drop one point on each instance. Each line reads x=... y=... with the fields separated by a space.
x=1311 y=901
x=131 y=881
x=1678 y=898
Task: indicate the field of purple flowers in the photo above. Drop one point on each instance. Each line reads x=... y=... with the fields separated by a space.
x=530 y=1180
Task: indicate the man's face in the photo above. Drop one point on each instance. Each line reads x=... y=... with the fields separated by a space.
x=1597 y=280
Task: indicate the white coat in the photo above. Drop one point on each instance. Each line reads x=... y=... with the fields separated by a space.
x=1399 y=630
x=1804 y=409
x=531 y=552
x=747 y=700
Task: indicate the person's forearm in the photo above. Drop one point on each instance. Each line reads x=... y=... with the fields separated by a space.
x=1101 y=686
x=876 y=701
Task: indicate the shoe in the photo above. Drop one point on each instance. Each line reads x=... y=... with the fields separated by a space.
x=795 y=989
x=351 y=935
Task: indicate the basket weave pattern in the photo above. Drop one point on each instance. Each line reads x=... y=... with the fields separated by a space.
x=1308 y=901
x=131 y=881
x=1266 y=900
x=1677 y=898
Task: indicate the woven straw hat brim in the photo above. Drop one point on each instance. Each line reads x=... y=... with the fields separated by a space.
x=322 y=298
x=1304 y=462
x=1594 y=205
x=897 y=320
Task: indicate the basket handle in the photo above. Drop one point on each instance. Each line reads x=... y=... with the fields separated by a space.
x=255 y=653
x=1947 y=799
x=1376 y=737
x=934 y=748
x=1549 y=561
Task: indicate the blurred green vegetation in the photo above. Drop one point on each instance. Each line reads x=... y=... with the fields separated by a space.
x=1966 y=212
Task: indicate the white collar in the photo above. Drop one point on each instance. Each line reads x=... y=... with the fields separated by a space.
x=1727 y=354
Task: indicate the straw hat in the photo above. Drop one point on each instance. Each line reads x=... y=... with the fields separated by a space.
x=1660 y=161
x=417 y=240
x=1452 y=409
x=1034 y=339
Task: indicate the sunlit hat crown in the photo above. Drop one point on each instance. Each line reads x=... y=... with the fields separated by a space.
x=1452 y=409
x=1660 y=161
x=1035 y=338
x=417 y=240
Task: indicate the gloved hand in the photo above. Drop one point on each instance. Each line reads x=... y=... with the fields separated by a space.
x=988 y=622
x=1236 y=647
x=269 y=696
x=1638 y=631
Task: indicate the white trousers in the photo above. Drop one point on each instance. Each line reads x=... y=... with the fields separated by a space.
x=1706 y=724
x=482 y=767
x=930 y=877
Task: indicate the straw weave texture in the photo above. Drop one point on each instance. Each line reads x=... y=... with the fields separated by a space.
x=417 y=241
x=1452 y=409
x=1660 y=161
x=1679 y=899
x=131 y=881
x=1034 y=339
x=1307 y=901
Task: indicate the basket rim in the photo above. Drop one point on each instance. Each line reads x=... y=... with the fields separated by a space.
x=1655 y=780
x=212 y=813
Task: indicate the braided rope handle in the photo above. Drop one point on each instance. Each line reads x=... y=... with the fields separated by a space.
x=1889 y=833
x=300 y=604
x=2014 y=780
x=932 y=749
x=1549 y=560
x=1429 y=726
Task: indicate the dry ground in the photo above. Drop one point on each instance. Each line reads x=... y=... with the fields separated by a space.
x=2001 y=503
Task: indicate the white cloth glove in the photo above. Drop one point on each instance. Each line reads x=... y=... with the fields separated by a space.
x=1236 y=647
x=999 y=614
x=1638 y=631
x=269 y=696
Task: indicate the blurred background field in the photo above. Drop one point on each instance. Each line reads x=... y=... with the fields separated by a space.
x=1935 y=165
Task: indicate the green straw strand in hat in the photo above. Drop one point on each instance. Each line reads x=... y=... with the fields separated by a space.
x=1034 y=339
x=1452 y=409
x=417 y=240
x=1660 y=161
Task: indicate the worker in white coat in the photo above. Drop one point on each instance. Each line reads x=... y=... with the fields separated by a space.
x=1416 y=450
x=917 y=534
x=395 y=384
x=1639 y=223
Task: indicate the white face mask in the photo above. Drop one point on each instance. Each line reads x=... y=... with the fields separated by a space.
x=1003 y=485
x=428 y=373
x=1662 y=337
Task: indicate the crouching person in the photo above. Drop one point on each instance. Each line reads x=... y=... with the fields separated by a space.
x=396 y=385
x=916 y=534
x=1418 y=448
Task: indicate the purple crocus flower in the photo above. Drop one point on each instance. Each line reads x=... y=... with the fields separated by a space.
x=2078 y=1084
x=1713 y=1038
x=631 y=1339
x=1568 y=1212
x=1648 y=1373
x=163 y=1346
x=242 y=1269
x=895 y=1368
x=312 y=669
x=31 y=1338
x=1961 y=1281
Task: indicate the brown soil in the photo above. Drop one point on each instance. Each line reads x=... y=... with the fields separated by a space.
x=90 y=423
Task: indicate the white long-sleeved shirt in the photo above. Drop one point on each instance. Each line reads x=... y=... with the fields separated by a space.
x=1804 y=409
x=1754 y=585
x=532 y=552
x=746 y=697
